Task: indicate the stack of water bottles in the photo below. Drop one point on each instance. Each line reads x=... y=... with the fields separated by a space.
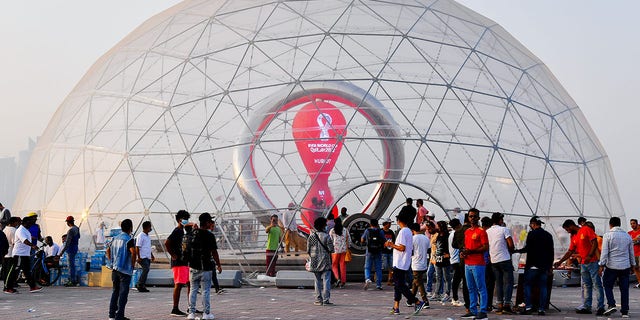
x=80 y=263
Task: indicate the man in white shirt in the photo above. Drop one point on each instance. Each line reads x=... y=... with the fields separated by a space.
x=21 y=256
x=401 y=263
x=500 y=249
x=419 y=262
x=52 y=248
x=144 y=255
x=9 y=232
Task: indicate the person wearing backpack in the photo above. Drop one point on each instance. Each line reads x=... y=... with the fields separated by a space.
x=374 y=239
x=202 y=254
x=179 y=263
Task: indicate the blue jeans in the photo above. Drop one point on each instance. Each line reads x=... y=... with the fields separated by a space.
x=443 y=277
x=72 y=266
x=431 y=274
x=376 y=260
x=535 y=278
x=475 y=276
x=503 y=272
x=609 y=277
x=119 y=294
x=590 y=278
x=145 y=264
x=196 y=279
x=322 y=285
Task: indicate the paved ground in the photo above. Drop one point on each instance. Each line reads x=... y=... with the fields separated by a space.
x=255 y=303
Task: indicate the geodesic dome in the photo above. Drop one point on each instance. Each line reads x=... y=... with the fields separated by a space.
x=197 y=108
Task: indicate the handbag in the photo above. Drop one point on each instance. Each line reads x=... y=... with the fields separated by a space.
x=347 y=256
x=307 y=265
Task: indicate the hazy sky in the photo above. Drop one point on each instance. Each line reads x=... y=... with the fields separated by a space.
x=592 y=47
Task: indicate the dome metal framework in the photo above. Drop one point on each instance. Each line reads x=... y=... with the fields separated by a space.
x=477 y=119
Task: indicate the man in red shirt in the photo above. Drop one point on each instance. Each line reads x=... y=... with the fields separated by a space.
x=476 y=244
x=635 y=236
x=584 y=242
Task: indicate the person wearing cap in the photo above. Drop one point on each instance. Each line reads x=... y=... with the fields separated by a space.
x=122 y=254
x=387 y=253
x=21 y=256
x=584 y=241
x=500 y=249
x=71 y=248
x=539 y=249
x=203 y=254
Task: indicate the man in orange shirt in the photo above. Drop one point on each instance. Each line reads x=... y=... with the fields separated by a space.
x=476 y=244
x=584 y=242
x=635 y=236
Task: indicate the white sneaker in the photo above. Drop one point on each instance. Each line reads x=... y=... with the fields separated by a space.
x=208 y=316
x=367 y=283
x=457 y=303
x=191 y=316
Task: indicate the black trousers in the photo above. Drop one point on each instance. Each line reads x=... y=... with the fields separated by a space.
x=19 y=263
x=458 y=276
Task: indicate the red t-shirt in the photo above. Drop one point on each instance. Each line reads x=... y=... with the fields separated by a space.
x=581 y=243
x=636 y=246
x=474 y=239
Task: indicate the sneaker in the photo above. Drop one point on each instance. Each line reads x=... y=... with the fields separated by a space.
x=378 y=288
x=468 y=315
x=625 y=315
x=541 y=313
x=584 y=311
x=327 y=303
x=446 y=298
x=367 y=283
x=481 y=316
x=208 y=316
x=419 y=306
x=610 y=311
x=637 y=286
x=143 y=289
x=10 y=291
x=506 y=309
x=526 y=311
x=35 y=289
x=220 y=291
x=435 y=297
x=457 y=303
x=191 y=316
x=409 y=304
x=395 y=311
x=600 y=312
x=317 y=303
x=177 y=313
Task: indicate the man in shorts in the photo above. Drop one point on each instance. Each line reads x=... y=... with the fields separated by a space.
x=179 y=267
x=635 y=237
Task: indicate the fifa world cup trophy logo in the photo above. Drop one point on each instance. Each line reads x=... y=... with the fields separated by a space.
x=319 y=131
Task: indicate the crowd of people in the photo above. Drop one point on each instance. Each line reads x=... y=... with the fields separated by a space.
x=433 y=258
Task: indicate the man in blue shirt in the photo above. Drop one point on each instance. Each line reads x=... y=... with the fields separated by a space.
x=121 y=251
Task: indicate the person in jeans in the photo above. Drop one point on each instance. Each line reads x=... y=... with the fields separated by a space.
x=144 y=255
x=476 y=244
x=539 y=250
x=122 y=254
x=616 y=262
x=442 y=264
x=202 y=250
x=500 y=249
x=71 y=247
x=319 y=248
x=584 y=242
x=374 y=239
x=21 y=256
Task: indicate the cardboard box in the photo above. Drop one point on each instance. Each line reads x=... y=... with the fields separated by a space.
x=105 y=278
x=94 y=279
